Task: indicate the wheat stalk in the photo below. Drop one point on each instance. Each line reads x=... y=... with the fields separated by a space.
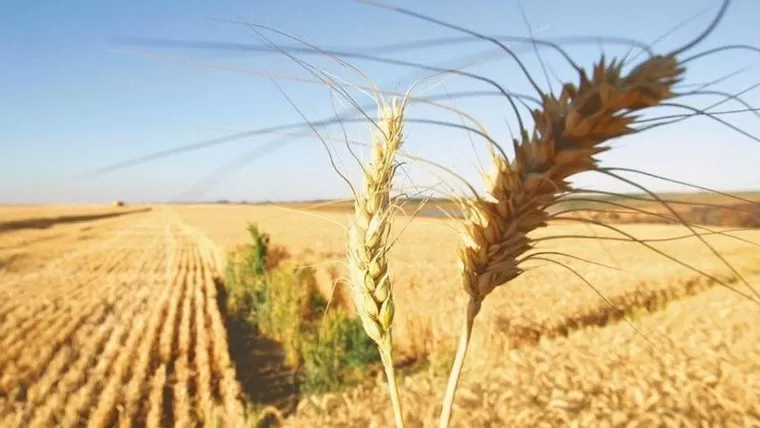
x=568 y=132
x=368 y=232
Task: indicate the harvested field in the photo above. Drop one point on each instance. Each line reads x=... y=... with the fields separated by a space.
x=122 y=329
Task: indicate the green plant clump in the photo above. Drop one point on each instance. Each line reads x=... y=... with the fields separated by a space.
x=281 y=300
x=337 y=352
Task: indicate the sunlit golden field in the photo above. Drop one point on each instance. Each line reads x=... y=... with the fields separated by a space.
x=114 y=321
x=548 y=301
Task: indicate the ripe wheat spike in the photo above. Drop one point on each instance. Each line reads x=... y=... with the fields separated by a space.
x=370 y=282
x=569 y=131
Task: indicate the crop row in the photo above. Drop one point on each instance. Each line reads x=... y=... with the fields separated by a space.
x=125 y=333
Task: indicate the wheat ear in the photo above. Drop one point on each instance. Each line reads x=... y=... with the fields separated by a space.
x=568 y=132
x=370 y=283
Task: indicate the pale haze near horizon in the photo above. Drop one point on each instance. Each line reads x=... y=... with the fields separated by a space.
x=73 y=99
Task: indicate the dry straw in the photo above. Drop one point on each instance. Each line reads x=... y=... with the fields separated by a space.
x=368 y=246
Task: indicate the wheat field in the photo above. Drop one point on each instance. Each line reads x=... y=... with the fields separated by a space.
x=544 y=303
x=115 y=322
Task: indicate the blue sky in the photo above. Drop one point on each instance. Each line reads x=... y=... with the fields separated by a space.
x=74 y=98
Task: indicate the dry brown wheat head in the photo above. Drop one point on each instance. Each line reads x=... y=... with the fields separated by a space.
x=568 y=132
x=367 y=241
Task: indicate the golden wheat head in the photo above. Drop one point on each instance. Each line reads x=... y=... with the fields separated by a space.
x=367 y=241
x=569 y=131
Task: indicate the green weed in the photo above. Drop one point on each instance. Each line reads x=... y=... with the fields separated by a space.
x=281 y=300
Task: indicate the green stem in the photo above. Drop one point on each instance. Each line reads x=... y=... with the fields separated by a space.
x=473 y=307
x=390 y=374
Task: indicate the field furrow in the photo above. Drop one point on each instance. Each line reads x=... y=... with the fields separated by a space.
x=181 y=376
x=76 y=286
x=202 y=366
x=227 y=388
x=168 y=342
x=155 y=412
